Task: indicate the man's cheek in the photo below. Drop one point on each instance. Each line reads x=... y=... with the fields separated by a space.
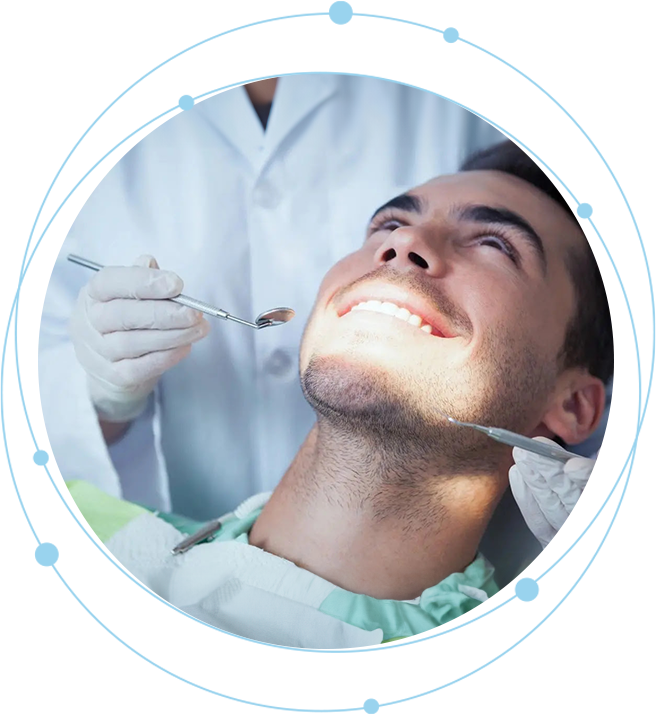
x=332 y=282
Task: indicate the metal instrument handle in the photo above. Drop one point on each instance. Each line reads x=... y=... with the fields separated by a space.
x=530 y=445
x=182 y=299
x=206 y=533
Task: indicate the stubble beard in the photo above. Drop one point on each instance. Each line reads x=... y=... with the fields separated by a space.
x=397 y=415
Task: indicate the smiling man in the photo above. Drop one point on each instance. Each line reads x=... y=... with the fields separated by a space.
x=474 y=295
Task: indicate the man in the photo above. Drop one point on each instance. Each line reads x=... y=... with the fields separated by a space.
x=474 y=295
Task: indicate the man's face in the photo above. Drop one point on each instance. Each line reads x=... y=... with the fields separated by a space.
x=480 y=258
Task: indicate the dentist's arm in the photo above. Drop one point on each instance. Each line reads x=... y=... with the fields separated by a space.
x=545 y=490
x=112 y=431
x=126 y=335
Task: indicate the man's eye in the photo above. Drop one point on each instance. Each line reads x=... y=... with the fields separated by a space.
x=390 y=225
x=500 y=244
x=386 y=224
x=494 y=242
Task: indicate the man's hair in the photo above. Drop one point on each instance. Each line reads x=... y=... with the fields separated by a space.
x=589 y=337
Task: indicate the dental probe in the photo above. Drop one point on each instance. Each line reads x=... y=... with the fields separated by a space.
x=517 y=440
x=206 y=533
x=274 y=316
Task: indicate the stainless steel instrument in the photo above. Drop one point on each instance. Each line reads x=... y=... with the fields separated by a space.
x=274 y=316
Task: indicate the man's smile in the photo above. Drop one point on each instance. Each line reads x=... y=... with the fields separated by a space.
x=391 y=300
x=392 y=310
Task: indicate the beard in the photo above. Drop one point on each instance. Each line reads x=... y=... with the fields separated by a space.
x=398 y=413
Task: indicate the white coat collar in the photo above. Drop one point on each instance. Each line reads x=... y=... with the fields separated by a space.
x=232 y=114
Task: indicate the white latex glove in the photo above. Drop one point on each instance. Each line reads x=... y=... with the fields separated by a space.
x=126 y=335
x=547 y=490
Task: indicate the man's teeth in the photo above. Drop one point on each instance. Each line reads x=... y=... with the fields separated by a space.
x=391 y=309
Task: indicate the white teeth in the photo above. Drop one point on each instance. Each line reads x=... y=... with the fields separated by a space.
x=391 y=309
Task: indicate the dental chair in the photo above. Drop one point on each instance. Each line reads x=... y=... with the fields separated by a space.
x=508 y=543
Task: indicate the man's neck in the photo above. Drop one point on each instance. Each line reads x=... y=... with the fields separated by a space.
x=386 y=523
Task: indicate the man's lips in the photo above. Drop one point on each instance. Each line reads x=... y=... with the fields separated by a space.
x=389 y=293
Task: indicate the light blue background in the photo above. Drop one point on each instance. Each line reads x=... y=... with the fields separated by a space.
x=572 y=84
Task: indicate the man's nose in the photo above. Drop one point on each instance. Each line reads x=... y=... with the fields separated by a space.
x=408 y=246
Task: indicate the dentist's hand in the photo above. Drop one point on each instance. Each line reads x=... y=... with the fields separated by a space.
x=126 y=335
x=547 y=490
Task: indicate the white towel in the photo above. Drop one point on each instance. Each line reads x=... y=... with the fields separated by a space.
x=236 y=587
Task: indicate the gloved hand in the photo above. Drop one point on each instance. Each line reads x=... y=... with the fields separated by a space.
x=126 y=335
x=547 y=490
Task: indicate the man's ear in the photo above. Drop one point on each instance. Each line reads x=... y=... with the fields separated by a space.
x=577 y=406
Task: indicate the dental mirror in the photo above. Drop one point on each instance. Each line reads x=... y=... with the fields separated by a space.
x=274 y=316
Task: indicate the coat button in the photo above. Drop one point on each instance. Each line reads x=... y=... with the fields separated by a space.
x=279 y=363
x=266 y=195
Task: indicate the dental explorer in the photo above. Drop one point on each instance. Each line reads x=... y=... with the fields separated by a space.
x=517 y=440
x=274 y=316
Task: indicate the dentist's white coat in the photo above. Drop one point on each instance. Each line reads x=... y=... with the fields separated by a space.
x=250 y=220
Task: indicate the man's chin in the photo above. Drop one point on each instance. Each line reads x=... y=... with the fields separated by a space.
x=337 y=385
x=343 y=388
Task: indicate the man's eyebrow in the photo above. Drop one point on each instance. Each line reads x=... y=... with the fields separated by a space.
x=505 y=217
x=404 y=202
